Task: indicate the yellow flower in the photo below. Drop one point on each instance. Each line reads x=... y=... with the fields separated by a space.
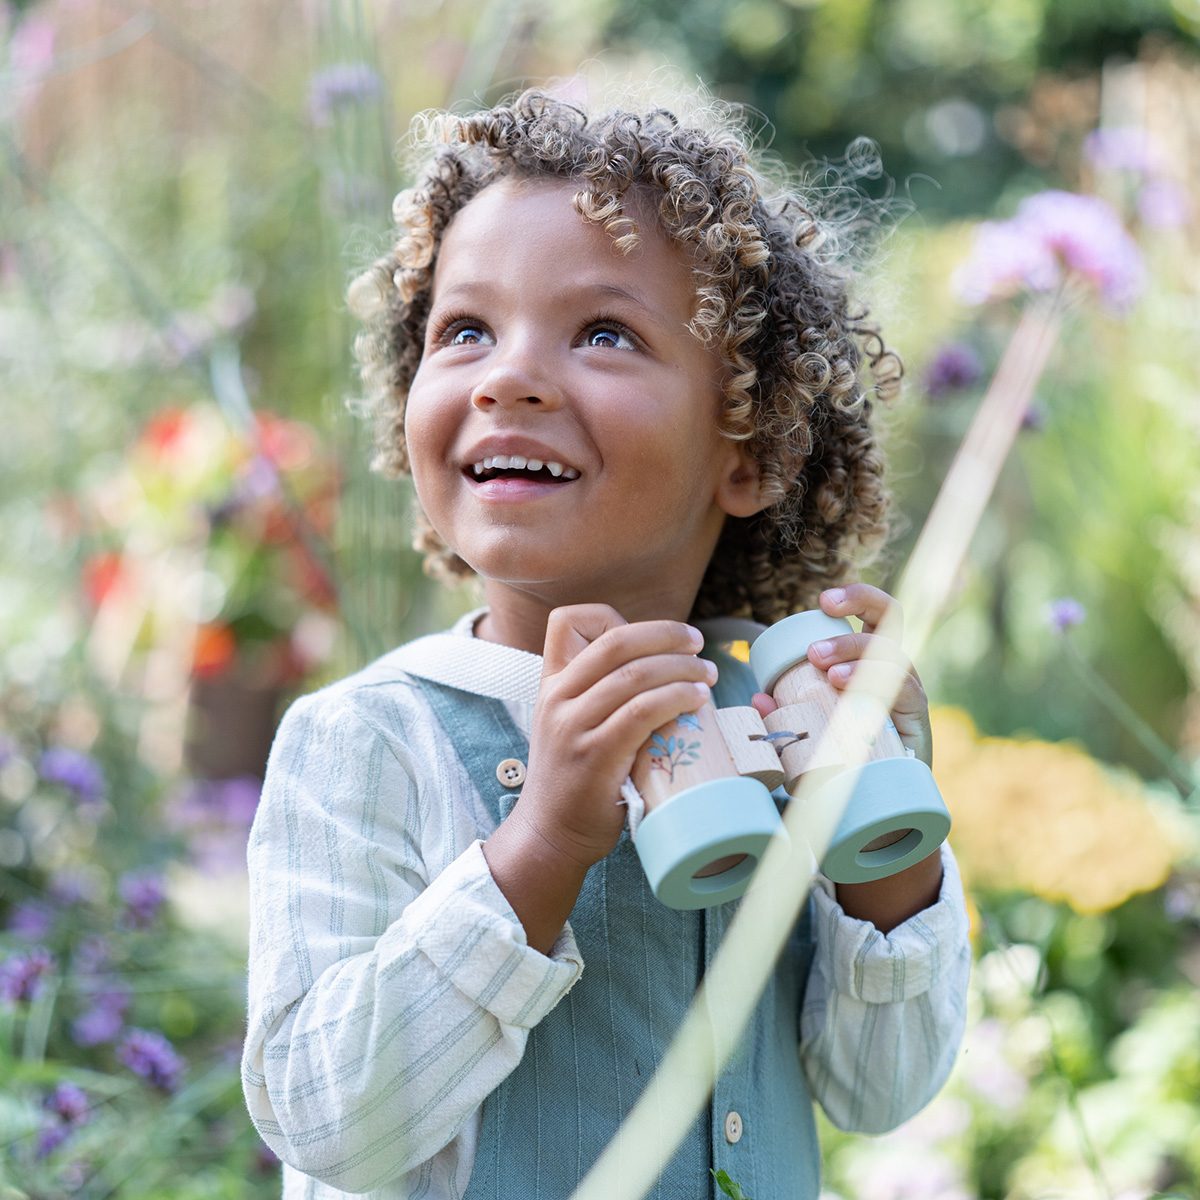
x=1047 y=818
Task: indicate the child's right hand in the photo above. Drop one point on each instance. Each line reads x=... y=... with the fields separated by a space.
x=606 y=686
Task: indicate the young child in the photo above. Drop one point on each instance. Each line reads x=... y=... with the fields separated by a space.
x=624 y=374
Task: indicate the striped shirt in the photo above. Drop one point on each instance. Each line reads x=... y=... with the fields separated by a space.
x=391 y=989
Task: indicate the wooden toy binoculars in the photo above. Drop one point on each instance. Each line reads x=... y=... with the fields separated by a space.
x=707 y=778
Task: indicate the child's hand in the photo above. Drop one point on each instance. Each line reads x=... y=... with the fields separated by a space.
x=839 y=657
x=606 y=686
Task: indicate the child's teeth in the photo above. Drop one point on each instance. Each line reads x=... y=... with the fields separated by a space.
x=517 y=462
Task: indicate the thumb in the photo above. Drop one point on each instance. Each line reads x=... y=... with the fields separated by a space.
x=572 y=629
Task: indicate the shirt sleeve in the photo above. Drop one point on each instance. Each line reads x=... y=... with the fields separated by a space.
x=883 y=1014
x=391 y=988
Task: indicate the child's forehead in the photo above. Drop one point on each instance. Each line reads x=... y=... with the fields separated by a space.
x=544 y=208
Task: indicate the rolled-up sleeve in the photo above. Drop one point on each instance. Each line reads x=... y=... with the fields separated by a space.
x=391 y=988
x=883 y=1014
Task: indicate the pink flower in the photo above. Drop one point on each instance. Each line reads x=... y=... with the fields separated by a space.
x=1053 y=234
x=32 y=46
x=1164 y=204
x=1123 y=148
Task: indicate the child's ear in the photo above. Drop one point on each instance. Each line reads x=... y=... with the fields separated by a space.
x=739 y=490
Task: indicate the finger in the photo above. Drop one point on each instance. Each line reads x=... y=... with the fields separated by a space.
x=851 y=647
x=616 y=689
x=614 y=647
x=901 y=690
x=763 y=703
x=630 y=725
x=570 y=630
x=871 y=605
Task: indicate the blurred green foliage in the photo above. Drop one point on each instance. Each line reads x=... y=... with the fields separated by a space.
x=941 y=85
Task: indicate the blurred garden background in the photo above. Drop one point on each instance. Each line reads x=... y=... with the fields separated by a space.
x=189 y=533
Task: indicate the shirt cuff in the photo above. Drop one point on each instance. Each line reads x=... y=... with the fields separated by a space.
x=890 y=968
x=469 y=931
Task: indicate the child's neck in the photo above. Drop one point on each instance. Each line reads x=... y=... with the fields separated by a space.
x=517 y=616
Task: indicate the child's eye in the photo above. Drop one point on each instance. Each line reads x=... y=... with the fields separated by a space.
x=458 y=330
x=465 y=334
x=613 y=336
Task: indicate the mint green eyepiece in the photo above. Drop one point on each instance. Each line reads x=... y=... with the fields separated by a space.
x=712 y=820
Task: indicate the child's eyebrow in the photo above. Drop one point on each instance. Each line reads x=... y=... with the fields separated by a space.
x=593 y=291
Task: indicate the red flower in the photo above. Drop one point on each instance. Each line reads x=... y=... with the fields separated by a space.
x=214 y=651
x=163 y=431
x=286 y=443
x=101 y=574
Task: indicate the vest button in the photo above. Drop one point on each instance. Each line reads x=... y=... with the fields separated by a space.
x=733 y=1127
x=511 y=772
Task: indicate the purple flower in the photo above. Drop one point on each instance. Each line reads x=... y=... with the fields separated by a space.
x=70 y=1103
x=954 y=367
x=1034 y=417
x=149 y=1055
x=340 y=85
x=217 y=815
x=78 y=773
x=1053 y=232
x=259 y=479
x=142 y=893
x=31 y=921
x=1164 y=204
x=21 y=975
x=1121 y=149
x=68 y=1108
x=105 y=1019
x=265 y=1160
x=1062 y=614
x=49 y=1138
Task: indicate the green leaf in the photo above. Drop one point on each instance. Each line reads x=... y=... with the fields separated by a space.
x=731 y=1189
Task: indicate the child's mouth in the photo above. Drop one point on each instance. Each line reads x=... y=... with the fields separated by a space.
x=515 y=466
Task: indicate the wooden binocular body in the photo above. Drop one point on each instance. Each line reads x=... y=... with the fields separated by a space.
x=707 y=778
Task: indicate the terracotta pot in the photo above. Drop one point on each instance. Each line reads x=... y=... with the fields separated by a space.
x=230 y=728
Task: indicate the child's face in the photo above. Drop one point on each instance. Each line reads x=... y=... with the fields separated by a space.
x=548 y=346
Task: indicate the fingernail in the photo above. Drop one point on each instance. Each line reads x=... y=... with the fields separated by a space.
x=841 y=671
x=711 y=669
x=695 y=637
x=820 y=649
x=702 y=690
x=835 y=595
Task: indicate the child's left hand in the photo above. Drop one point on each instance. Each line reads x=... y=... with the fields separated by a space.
x=891 y=671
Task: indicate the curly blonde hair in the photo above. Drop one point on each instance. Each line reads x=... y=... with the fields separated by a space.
x=771 y=299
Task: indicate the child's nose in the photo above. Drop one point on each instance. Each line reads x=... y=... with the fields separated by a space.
x=516 y=377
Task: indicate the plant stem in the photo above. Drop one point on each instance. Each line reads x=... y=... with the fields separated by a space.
x=1108 y=696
